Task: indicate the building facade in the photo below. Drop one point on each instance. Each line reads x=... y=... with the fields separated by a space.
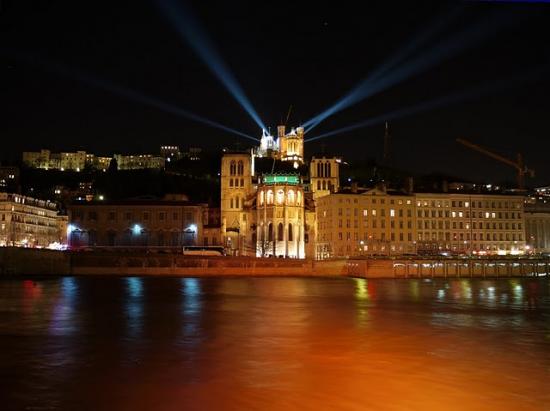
x=380 y=222
x=136 y=223
x=137 y=162
x=371 y=222
x=537 y=225
x=28 y=222
x=280 y=217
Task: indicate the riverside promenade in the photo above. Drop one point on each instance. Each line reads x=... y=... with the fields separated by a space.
x=24 y=261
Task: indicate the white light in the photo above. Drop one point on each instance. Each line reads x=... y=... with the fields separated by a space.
x=70 y=228
x=136 y=229
x=193 y=228
x=101 y=197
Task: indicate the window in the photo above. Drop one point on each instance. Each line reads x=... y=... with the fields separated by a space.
x=280 y=196
x=230 y=182
x=270 y=232
x=175 y=216
x=161 y=216
x=240 y=168
x=280 y=230
x=290 y=197
x=269 y=197
x=262 y=197
x=112 y=216
x=290 y=233
x=232 y=168
x=392 y=212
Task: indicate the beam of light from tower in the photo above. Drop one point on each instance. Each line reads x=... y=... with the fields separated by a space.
x=438 y=102
x=355 y=94
x=127 y=93
x=188 y=27
x=443 y=50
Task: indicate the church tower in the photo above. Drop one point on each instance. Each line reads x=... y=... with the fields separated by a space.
x=236 y=188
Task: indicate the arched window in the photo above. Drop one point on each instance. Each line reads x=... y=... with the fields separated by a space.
x=237 y=202
x=329 y=170
x=324 y=185
x=242 y=182
x=232 y=168
x=269 y=197
x=280 y=197
x=319 y=170
x=270 y=232
x=262 y=197
x=240 y=168
x=262 y=234
x=299 y=198
x=230 y=182
x=290 y=197
x=231 y=203
x=290 y=233
x=280 y=230
x=318 y=184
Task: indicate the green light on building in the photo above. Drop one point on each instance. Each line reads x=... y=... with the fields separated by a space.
x=281 y=179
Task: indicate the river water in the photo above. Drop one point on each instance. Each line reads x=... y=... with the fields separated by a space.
x=274 y=344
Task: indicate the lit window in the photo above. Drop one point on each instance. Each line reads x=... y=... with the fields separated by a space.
x=280 y=196
x=392 y=213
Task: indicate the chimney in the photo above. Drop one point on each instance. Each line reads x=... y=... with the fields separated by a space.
x=281 y=131
x=354 y=187
x=445 y=186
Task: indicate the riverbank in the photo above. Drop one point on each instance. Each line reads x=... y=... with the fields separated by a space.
x=25 y=261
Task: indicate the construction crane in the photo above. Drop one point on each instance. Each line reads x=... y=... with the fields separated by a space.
x=518 y=164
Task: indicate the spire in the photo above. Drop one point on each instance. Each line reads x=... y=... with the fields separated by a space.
x=387 y=138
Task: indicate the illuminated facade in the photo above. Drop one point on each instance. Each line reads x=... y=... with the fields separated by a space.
x=140 y=161
x=372 y=222
x=236 y=190
x=280 y=217
x=324 y=176
x=28 y=222
x=379 y=222
x=287 y=147
x=136 y=223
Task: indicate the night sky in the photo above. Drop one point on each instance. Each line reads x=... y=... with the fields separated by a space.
x=283 y=53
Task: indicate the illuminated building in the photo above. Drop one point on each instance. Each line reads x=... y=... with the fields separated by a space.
x=141 y=161
x=170 y=153
x=324 y=175
x=170 y=222
x=280 y=217
x=29 y=222
x=537 y=225
x=357 y=222
x=382 y=222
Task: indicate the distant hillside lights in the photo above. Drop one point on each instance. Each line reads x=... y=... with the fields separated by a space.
x=78 y=161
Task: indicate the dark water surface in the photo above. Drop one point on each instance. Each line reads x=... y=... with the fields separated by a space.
x=274 y=344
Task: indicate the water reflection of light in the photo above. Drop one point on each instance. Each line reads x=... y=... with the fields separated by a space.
x=135 y=286
x=361 y=292
x=440 y=294
x=191 y=291
x=466 y=289
x=134 y=306
x=415 y=289
x=63 y=320
x=361 y=298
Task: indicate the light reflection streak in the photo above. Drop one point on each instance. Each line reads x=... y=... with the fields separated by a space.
x=63 y=321
x=134 y=307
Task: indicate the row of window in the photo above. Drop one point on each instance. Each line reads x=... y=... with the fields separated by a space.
x=466 y=204
x=280 y=232
x=236 y=168
x=292 y=197
x=466 y=226
x=236 y=182
x=466 y=236
x=129 y=216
